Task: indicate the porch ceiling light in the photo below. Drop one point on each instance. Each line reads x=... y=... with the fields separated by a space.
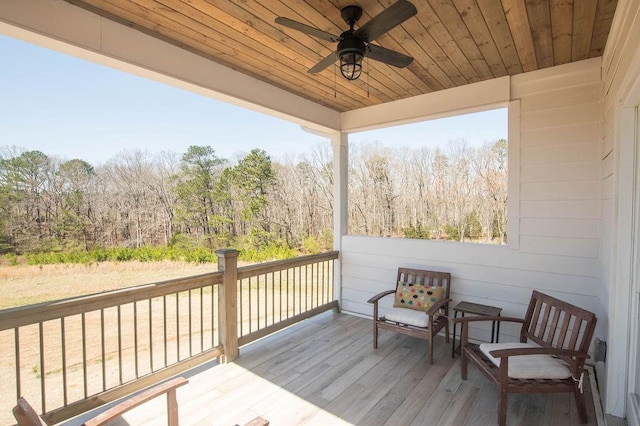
x=351 y=51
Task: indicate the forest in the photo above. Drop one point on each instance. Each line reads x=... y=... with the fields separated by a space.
x=197 y=200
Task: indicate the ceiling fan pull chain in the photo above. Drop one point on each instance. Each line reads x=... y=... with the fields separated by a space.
x=335 y=81
x=368 y=71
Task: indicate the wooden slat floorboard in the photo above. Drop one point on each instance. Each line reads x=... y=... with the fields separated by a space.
x=324 y=371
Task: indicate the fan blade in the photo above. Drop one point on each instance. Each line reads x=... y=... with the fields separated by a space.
x=391 y=17
x=323 y=63
x=307 y=29
x=387 y=56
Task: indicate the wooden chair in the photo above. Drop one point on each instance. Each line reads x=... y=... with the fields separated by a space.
x=554 y=340
x=414 y=321
x=27 y=416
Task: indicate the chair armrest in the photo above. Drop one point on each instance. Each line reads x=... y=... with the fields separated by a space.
x=478 y=318
x=503 y=353
x=379 y=296
x=134 y=401
x=464 y=335
x=26 y=415
x=439 y=304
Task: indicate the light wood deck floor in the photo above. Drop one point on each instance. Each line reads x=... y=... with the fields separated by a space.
x=325 y=371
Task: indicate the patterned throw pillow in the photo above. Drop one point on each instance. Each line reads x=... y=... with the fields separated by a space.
x=416 y=296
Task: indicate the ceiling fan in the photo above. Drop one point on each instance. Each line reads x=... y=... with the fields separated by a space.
x=353 y=45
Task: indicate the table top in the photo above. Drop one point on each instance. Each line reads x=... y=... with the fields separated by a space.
x=477 y=309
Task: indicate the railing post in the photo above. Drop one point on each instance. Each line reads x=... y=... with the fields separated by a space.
x=340 y=143
x=228 y=302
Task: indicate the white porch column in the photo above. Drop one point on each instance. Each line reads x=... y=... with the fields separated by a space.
x=340 y=143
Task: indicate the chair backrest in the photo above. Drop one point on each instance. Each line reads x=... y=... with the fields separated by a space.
x=551 y=322
x=426 y=278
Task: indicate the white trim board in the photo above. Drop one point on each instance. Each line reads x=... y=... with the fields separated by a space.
x=623 y=309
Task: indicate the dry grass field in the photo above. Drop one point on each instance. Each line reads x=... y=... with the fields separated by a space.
x=25 y=285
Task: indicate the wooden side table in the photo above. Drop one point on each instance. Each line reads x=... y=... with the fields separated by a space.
x=476 y=309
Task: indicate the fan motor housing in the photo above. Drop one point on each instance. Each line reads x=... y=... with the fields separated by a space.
x=350 y=44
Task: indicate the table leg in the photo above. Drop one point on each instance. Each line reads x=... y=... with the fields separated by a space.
x=453 y=345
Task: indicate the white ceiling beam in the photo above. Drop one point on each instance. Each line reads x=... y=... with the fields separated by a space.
x=444 y=103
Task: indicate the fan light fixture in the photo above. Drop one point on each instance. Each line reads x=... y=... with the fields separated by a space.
x=351 y=65
x=350 y=52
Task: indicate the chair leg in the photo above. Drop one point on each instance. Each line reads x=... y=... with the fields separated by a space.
x=463 y=358
x=502 y=407
x=446 y=332
x=375 y=325
x=502 y=391
x=463 y=366
x=580 y=405
x=430 y=348
x=375 y=334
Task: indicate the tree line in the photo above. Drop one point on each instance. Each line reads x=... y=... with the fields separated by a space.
x=453 y=193
x=198 y=200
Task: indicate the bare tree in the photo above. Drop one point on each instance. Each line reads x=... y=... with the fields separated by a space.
x=455 y=193
x=491 y=170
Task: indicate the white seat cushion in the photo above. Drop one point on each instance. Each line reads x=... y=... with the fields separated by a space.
x=407 y=316
x=528 y=366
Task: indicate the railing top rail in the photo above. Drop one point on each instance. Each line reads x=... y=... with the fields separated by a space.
x=25 y=315
x=279 y=265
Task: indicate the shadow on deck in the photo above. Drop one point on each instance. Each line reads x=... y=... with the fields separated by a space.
x=324 y=371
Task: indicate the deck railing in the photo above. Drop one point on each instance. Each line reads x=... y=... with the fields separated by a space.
x=278 y=294
x=71 y=355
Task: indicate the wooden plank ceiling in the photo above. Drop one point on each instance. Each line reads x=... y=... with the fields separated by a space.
x=453 y=42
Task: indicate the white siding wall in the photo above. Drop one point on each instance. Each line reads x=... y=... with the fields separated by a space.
x=559 y=212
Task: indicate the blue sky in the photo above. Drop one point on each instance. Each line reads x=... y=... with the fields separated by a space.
x=71 y=108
